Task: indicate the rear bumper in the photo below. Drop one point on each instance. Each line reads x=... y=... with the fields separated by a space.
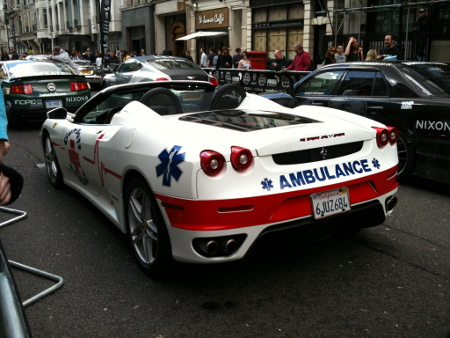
x=185 y=243
x=94 y=79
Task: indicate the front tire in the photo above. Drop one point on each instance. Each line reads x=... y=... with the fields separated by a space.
x=147 y=231
x=51 y=163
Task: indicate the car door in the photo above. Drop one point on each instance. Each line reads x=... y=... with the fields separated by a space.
x=364 y=92
x=317 y=90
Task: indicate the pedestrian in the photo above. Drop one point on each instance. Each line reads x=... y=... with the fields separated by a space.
x=224 y=60
x=279 y=62
x=352 y=52
x=203 y=58
x=142 y=52
x=360 y=53
x=390 y=50
x=187 y=55
x=372 y=55
x=61 y=55
x=329 y=56
x=5 y=56
x=245 y=63
x=89 y=55
x=340 y=55
x=211 y=56
x=125 y=56
x=302 y=59
x=237 y=57
x=14 y=55
x=99 y=60
x=113 y=58
x=11 y=182
x=421 y=31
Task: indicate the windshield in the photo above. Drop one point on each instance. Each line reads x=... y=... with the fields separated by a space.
x=27 y=69
x=435 y=78
x=164 y=64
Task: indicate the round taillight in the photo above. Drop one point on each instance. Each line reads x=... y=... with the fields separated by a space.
x=382 y=136
x=241 y=158
x=211 y=162
x=394 y=135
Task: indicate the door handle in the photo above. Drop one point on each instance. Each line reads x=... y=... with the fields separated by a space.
x=373 y=110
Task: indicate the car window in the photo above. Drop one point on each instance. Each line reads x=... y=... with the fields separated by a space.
x=320 y=84
x=99 y=113
x=27 y=69
x=429 y=79
x=129 y=66
x=363 y=83
x=164 y=64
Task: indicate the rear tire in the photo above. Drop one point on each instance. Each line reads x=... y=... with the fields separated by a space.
x=406 y=158
x=51 y=163
x=146 y=228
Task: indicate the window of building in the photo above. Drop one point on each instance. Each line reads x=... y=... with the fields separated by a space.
x=278 y=27
x=44 y=17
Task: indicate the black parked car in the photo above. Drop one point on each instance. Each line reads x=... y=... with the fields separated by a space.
x=412 y=96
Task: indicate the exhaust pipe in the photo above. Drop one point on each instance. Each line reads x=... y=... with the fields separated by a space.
x=391 y=202
x=209 y=247
x=229 y=246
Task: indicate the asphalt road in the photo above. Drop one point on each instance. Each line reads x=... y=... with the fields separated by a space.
x=389 y=281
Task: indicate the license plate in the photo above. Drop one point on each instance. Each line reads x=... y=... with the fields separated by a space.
x=85 y=71
x=193 y=96
x=330 y=203
x=53 y=103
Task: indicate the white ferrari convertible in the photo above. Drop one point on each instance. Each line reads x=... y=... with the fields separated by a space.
x=197 y=174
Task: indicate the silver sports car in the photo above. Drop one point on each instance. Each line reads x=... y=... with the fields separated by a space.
x=156 y=68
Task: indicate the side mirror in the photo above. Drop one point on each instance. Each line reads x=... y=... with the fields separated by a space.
x=57 y=113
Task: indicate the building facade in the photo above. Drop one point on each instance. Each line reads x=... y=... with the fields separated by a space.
x=35 y=26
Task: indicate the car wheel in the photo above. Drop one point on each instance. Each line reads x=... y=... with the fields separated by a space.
x=406 y=158
x=51 y=163
x=146 y=229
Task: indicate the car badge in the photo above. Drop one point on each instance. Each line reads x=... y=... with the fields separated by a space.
x=323 y=153
x=191 y=77
x=51 y=87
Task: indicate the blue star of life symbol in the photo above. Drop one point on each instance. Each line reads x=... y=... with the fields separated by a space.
x=267 y=184
x=169 y=165
x=376 y=163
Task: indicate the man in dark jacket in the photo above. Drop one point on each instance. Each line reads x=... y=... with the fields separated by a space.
x=279 y=62
x=390 y=49
x=421 y=30
x=225 y=60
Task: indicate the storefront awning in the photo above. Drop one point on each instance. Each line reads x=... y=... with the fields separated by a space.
x=201 y=34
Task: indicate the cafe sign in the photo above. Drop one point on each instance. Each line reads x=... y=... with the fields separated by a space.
x=212 y=19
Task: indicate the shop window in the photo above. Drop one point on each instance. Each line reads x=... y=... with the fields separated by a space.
x=278 y=14
x=294 y=36
x=260 y=15
x=277 y=40
x=296 y=11
x=260 y=40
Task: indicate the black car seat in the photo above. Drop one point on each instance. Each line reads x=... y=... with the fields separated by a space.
x=228 y=96
x=163 y=101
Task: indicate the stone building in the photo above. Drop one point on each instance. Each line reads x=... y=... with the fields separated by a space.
x=260 y=25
